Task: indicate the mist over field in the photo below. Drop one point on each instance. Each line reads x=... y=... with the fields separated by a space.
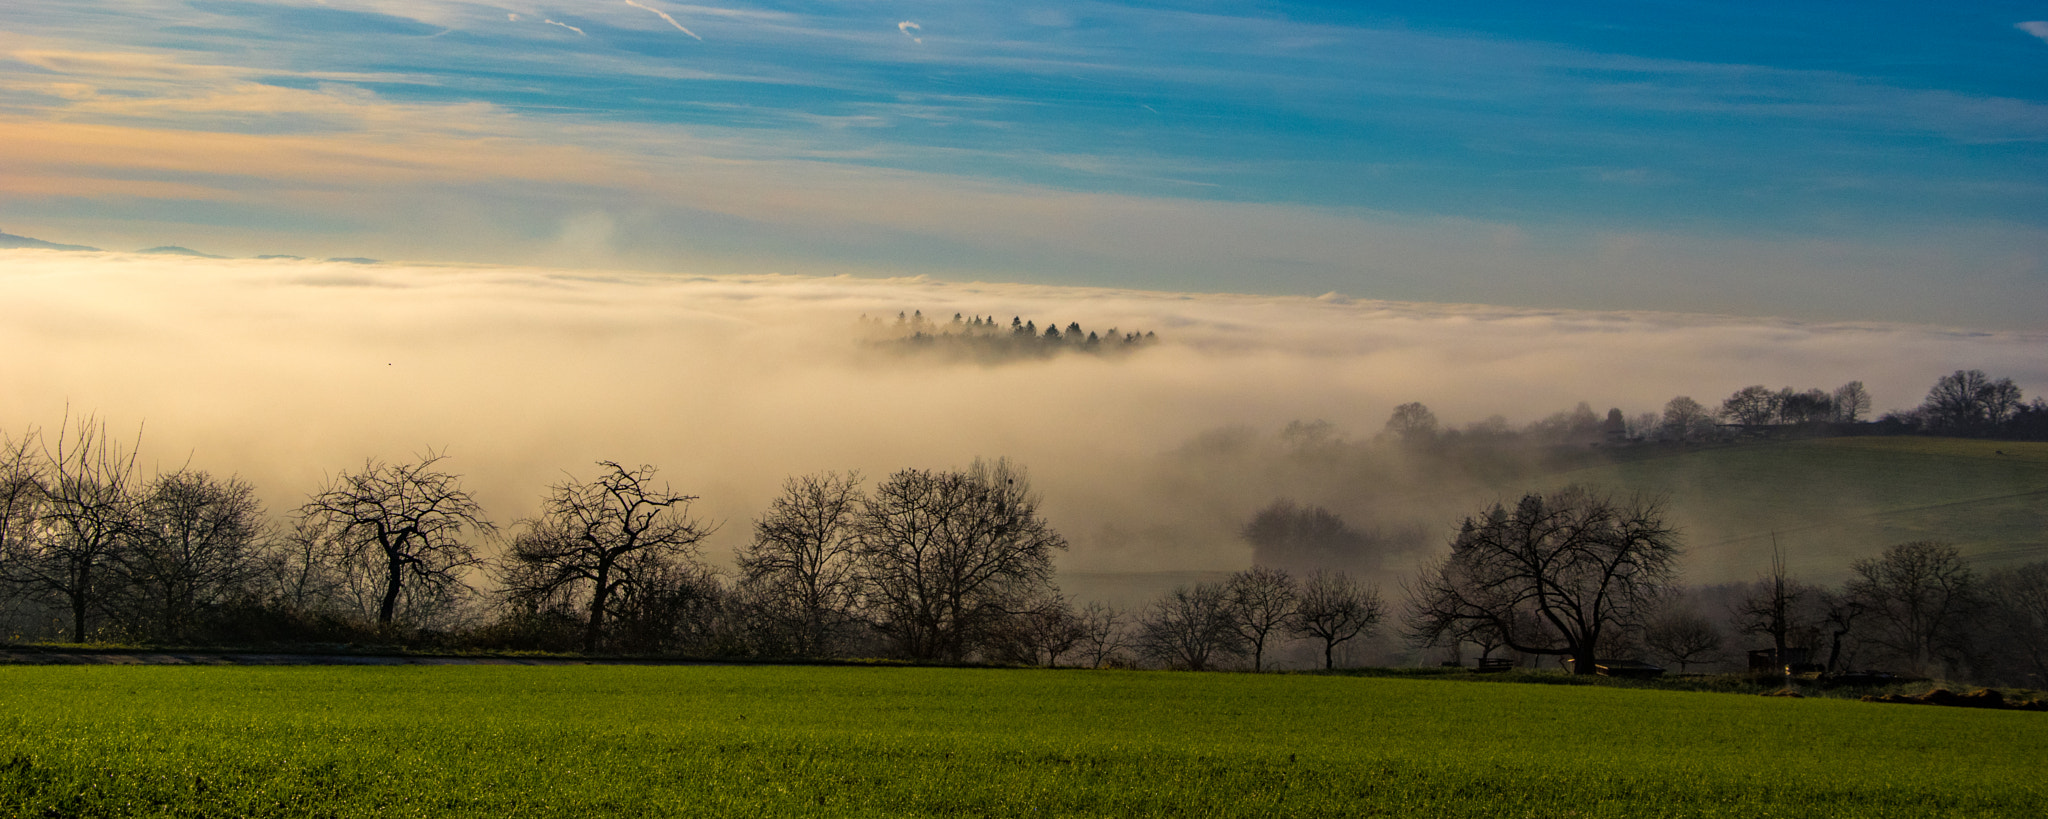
x=289 y=371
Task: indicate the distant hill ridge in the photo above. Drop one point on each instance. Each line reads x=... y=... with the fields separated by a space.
x=174 y=250
x=9 y=241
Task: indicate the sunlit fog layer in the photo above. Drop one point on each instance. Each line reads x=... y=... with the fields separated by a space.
x=287 y=372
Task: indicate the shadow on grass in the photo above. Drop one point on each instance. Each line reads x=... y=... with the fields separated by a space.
x=1766 y=685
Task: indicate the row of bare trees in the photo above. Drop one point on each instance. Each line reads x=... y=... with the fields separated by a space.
x=941 y=565
x=91 y=548
x=1965 y=402
x=1916 y=608
x=930 y=565
x=927 y=565
x=1577 y=575
x=949 y=565
x=82 y=531
x=1209 y=624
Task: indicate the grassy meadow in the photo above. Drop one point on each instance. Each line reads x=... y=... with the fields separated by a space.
x=886 y=741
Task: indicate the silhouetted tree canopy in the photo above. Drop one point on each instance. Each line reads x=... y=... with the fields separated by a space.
x=1286 y=535
x=1969 y=402
x=592 y=538
x=1574 y=566
x=405 y=526
x=983 y=340
x=945 y=557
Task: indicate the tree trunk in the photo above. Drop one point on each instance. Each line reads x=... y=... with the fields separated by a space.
x=389 y=609
x=81 y=597
x=1329 y=655
x=1585 y=660
x=593 y=633
x=78 y=601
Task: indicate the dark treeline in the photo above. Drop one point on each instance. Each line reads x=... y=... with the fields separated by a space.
x=1417 y=472
x=1966 y=403
x=956 y=565
x=1586 y=578
x=985 y=340
x=925 y=565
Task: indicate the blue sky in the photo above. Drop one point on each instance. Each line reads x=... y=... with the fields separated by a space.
x=1838 y=161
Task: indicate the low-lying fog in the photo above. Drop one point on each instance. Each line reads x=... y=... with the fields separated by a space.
x=288 y=371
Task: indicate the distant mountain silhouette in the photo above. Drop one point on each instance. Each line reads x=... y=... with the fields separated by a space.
x=9 y=240
x=174 y=250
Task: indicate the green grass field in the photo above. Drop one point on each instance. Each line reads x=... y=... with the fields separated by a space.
x=1832 y=501
x=788 y=741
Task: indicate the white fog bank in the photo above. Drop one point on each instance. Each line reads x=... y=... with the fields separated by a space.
x=288 y=371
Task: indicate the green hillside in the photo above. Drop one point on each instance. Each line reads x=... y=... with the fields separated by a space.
x=1829 y=502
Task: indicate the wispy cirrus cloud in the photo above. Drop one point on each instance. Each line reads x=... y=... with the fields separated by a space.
x=665 y=16
x=578 y=31
x=1320 y=119
x=2038 y=28
x=126 y=64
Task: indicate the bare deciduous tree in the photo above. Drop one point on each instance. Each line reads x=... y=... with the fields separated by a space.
x=1190 y=628
x=1580 y=563
x=1685 y=420
x=21 y=493
x=1839 y=612
x=946 y=556
x=1805 y=407
x=1851 y=402
x=1105 y=635
x=300 y=569
x=1776 y=606
x=1046 y=629
x=1412 y=423
x=192 y=546
x=1287 y=535
x=1969 y=401
x=1683 y=637
x=586 y=530
x=801 y=566
x=1753 y=405
x=1261 y=604
x=1918 y=596
x=81 y=519
x=1333 y=608
x=2018 y=600
x=21 y=499
x=405 y=525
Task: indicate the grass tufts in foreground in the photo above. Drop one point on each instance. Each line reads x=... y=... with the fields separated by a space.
x=787 y=741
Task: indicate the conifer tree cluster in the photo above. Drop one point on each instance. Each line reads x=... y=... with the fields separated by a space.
x=986 y=339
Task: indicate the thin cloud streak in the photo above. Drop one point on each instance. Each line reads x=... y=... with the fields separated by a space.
x=567 y=26
x=664 y=16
